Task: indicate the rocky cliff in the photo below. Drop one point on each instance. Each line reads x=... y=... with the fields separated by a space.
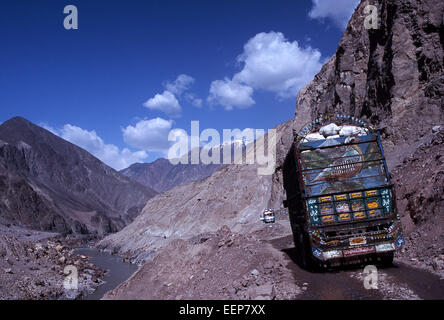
x=47 y=183
x=392 y=76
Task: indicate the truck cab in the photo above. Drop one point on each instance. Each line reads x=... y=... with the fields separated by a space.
x=268 y=216
x=340 y=199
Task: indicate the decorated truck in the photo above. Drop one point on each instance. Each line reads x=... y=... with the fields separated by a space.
x=340 y=199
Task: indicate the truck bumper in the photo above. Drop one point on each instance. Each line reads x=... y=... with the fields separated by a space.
x=369 y=243
x=383 y=247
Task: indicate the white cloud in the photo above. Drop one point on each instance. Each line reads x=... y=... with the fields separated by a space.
x=91 y=142
x=180 y=85
x=168 y=101
x=165 y=102
x=339 y=11
x=230 y=94
x=195 y=101
x=149 y=135
x=270 y=63
x=275 y=64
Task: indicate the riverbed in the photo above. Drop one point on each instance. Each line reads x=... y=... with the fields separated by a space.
x=118 y=270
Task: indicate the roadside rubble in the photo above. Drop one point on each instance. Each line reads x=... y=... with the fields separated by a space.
x=36 y=270
x=221 y=265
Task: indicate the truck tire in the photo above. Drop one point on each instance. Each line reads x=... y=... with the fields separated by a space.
x=307 y=261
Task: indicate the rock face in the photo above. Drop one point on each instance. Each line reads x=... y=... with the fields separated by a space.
x=161 y=175
x=47 y=183
x=391 y=76
x=420 y=189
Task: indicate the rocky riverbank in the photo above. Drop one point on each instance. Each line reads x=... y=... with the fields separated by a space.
x=33 y=266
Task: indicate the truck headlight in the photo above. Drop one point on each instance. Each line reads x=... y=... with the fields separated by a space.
x=385 y=247
x=332 y=254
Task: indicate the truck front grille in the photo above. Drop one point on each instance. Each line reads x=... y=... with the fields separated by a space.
x=339 y=235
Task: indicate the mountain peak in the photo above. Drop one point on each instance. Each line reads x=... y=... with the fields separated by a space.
x=19 y=122
x=19 y=129
x=17 y=119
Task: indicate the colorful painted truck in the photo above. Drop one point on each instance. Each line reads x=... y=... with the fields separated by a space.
x=340 y=199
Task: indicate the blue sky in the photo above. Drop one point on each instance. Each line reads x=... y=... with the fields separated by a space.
x=134 y=70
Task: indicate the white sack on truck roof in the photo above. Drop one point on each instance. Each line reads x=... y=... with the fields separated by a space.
x=329 y=130
x=315 y=136
x=348 y=130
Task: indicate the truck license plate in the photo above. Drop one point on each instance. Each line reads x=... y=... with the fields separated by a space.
x=358 y=250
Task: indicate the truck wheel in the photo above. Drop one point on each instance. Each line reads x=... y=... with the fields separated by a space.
x=386 y=259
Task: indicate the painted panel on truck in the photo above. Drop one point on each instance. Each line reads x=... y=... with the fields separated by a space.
x=343 y=168
x=348 y=207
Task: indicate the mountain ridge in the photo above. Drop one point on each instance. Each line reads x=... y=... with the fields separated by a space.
x=51 y=184
x=161 y=175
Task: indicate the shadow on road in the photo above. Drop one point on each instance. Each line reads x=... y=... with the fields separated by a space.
x=337 y=283
x=293 y=255
x=333 y=284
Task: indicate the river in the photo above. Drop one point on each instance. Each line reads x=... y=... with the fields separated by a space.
x=118 y=270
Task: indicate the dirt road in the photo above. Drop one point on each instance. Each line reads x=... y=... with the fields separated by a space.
x=397 y=282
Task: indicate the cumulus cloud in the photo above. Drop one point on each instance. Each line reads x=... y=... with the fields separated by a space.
x=230 y=94
x=271 y=63
x=149 y=135
x=94 y=144
x=339 y=11
x=165 y=102
x=275 y=64
x=168 y=101
x=180 y=85
x=195 y=101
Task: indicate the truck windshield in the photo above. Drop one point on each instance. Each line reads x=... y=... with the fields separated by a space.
x=331 y=165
